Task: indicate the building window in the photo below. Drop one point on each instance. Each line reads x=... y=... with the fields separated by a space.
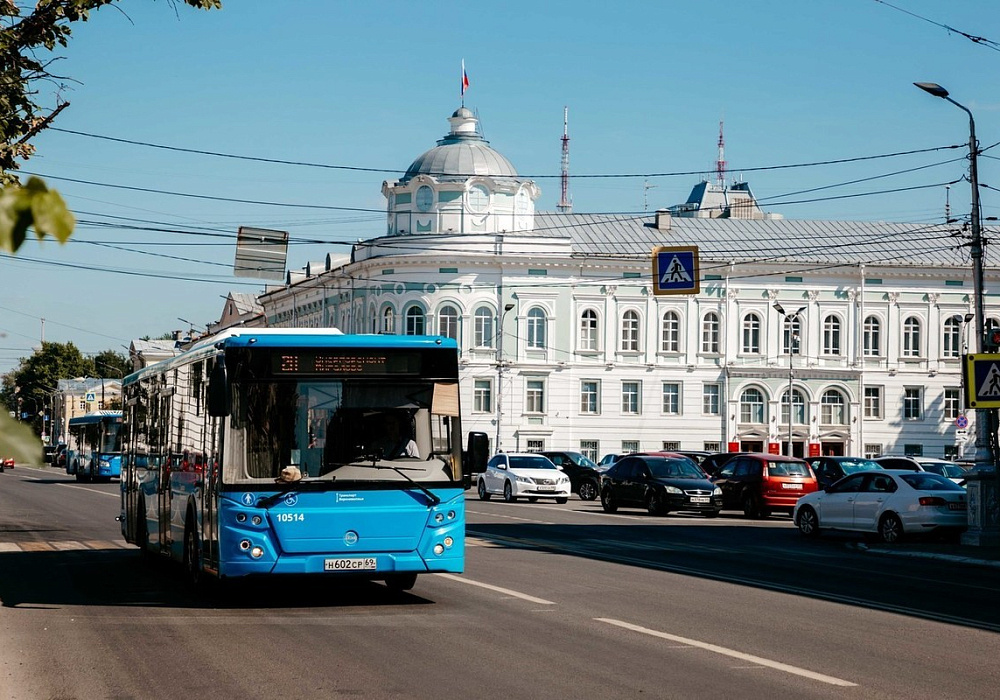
x=951 y=345
x=911 y=337
x=536 y=328
x=952 y=402
x=448 y=322
x=752 y=406
x=872 y=343
x=588 y=330
x=534 y=445
x=670 y=332
x=629 y=446
x=415 y=321
x=751 y=334
x=798 y=408
x=832 y=408
x=482 y=396
x=913 y=403
x=791 y=333
x=873 y=402
x=710 y=330
x=483 y=322
x=630 y=398
x=388 y=320
x=535 y=396
x=872 y=450
x=589 y=449
x=671 y=398
x=831 y=335
x=670 y=446
x=630 y=331
x=913 y=450
x=712 y=447
x=710 y=399
x=590 y=397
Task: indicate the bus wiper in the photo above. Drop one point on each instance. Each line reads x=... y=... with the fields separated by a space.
x=269 y=501
x=402 y=472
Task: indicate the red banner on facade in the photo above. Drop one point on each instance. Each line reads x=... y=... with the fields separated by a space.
x=814 y=449
x=734 y=447
x=774 y=448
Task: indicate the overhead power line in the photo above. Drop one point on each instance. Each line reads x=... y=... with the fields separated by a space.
x=983 y=41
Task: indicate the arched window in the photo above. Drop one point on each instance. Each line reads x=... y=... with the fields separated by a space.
x=791 y=337
x=872 y=337
x=448 y=322
x=951 y=345
x=388 y=320
x=670 y=332
x=536 y=328
x=911 y=337
x=751 y=334
x=630 y=331
x=483 y=320
x=588 y=330
x=710 y=330
x=831 y=335
x=415 y=321
x=752 y=408
x=798 y=408
x=833 y=408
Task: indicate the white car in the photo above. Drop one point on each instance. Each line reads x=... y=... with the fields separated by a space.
x=890 y=502
x=523 y=475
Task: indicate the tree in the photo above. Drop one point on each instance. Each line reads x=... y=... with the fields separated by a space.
x=29 y=33
x=111 y=365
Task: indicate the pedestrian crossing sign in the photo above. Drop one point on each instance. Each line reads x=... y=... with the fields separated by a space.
x=675 y=270
x=982 y=380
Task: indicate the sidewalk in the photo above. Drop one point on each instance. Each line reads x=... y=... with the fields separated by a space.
x=942 y=551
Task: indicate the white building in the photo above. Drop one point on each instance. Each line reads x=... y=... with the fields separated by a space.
x=565 y=345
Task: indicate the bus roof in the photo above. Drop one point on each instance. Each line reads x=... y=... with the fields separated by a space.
x=94 y=417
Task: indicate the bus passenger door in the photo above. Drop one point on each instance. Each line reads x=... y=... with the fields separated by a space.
x=163 y=478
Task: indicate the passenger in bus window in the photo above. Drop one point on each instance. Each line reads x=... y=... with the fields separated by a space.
x=399 y=440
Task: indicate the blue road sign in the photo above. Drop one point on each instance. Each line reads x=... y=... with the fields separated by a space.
x=982 y=380
x=675 y=270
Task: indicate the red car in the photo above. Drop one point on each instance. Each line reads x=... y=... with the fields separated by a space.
x=6 y=463
x=760 y=484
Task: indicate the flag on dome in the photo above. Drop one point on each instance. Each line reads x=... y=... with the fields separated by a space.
x=465 y=79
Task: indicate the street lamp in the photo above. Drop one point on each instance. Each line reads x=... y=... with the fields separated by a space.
x=984 y=454
x=506 y=308
x=792 y=320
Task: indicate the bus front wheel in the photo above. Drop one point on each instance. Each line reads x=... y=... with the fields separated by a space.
x=192 y=554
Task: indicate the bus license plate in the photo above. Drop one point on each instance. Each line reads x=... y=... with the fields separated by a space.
x=360 y=564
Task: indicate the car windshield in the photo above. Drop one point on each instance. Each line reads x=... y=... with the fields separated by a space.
x=531 y=463
x=849 y=466
x=929 y=481
x=948 y=469
x=581 y=460
x=787 y=469
x=675 y=468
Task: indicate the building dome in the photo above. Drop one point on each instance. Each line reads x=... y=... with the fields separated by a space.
x=461 y=154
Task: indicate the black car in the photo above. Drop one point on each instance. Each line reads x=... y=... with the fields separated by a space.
x=714 y=462
x=584 y=477
x=660 y=485
x=831 y=469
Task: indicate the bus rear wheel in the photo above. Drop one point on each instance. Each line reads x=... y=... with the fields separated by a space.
x=192 y=554
x=400 y=582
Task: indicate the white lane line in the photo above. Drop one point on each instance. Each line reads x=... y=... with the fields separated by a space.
x=760 y=661
x=84 y=488
x=498 y=589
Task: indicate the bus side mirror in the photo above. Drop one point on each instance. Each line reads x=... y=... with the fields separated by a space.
x=218 y=390
x=476 y=456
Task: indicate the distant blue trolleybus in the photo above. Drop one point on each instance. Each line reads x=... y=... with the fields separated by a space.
x=287 y=451
x=98 y=446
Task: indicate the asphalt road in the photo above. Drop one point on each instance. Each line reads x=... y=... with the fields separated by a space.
x=557 y=601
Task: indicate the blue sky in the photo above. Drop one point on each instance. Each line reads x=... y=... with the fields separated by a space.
x=370 y=85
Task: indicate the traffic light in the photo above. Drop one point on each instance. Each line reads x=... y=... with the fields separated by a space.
x=991 y=343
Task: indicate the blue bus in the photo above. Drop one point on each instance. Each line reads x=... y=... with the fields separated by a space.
x=299 y=451
x=98 y=446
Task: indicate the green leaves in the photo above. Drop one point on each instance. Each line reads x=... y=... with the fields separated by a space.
x=17 y=440
x=32 y=206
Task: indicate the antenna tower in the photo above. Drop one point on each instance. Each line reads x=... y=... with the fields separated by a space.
x=565 y=206
x=720 y=165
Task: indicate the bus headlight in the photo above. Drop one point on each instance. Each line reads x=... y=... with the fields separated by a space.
x=256 y=520
x=241 y=517
x=439 y=517
x=439 y=549
x=257 y=552
x=448 y=542
x=103 y=463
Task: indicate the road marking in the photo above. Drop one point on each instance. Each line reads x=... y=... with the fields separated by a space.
x=760 y=661
x=84 y=488
x=62 y=546
x=498 y=589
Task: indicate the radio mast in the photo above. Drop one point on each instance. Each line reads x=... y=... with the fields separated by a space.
x=565 y=206
x=720 y=165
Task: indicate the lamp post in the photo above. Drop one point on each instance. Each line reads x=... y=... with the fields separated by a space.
x=792 y=319
x=500 y=361
x=984 y=454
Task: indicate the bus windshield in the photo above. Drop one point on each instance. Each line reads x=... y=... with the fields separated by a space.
x=340 y=429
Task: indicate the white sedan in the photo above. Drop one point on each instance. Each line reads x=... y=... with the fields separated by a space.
x=528 y=475
x=890 y=502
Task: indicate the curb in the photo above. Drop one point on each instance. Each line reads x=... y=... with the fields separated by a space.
x=956 y=558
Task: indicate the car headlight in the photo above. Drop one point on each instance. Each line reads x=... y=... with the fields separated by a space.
x=673 y=489
x=717 y=491
x=523 y=479
x=563 y=480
